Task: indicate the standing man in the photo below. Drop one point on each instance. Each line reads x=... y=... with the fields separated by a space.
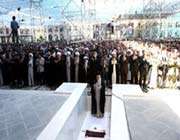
x=76 y=66
x=68 y=66
x=99 y=91
x=113 y=69
x=95 y=67
x=85 y=69
x=124 y=68
x=30 y=70
x=134 y=68
x=14 y=30
x=144 y=69
x=40 y=62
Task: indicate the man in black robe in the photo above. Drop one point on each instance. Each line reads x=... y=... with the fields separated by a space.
x=95 y=67
x=58 y=64
x=124 y=68
x=144 y=69
x=98 y=91
x=134 y=68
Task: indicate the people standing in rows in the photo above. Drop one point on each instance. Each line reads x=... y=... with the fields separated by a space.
x=93 y=57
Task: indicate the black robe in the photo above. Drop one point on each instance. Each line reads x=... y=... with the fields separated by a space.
x=59 y=72
x=94 y=68
x=83 y=74
x=102 y=99
x=144 y=67
x=124 y=69
x=134 y=68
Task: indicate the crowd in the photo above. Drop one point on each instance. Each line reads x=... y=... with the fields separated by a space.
x=143 y=63
x=99 y=63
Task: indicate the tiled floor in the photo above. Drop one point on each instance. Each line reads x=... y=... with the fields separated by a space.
x=150 y=118
x=24 y=115
x=92 y=122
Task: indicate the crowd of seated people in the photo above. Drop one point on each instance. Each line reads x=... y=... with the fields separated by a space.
x=144 y=63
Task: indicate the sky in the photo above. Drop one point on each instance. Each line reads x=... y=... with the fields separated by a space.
x=105 y=9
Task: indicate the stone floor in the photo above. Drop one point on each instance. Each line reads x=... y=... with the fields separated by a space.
x=24 y=114
x=43 y=88
x=150 y=118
